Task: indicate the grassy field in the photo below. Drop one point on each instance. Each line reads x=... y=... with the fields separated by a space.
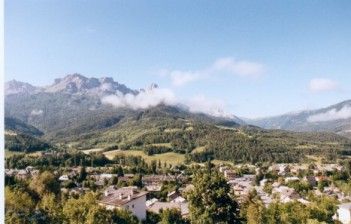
x=162 y=144
x=169 y=157
x=11 y=153
x=88 y=151
x=198 y=149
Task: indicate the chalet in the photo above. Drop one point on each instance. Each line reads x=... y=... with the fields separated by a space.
x=343 y=214
x=129 y=198
x=64 y=178
x=242 y=185
x=286 y=194
x=155 y=182
x=157 y=179
x=282 y=169
x=179 y=199
x=22 y=174
x=172 y=195
x=157 y=207
x=311 y=180
x=230 y=174
x=291 y=179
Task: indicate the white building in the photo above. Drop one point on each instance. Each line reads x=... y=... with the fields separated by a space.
x=129 y=198
x=344 y=213
x=64 y=178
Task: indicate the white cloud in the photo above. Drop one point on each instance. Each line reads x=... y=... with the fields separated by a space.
x=36 y=112
x=227 y=65
x=331 y=115
x=143 y=100
x=208 y=106
x=322 y=84
x=238 y=67
x=180 y=78
x=156 y=96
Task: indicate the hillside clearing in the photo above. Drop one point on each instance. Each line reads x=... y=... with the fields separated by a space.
x=169 y=157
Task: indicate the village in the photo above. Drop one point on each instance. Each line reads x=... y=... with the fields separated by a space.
x=154 y=193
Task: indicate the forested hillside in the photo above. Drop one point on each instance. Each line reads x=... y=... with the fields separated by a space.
x=22 y=137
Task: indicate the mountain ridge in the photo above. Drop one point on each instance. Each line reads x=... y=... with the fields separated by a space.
x=74 y=104
x=334 y=118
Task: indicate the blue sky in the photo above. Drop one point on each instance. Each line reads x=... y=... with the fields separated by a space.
x=257 y=58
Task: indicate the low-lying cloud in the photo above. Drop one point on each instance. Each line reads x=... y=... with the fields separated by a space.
x=322 y=84
x=36 y=112
x=143 y=100
x=331 y=115
x=156 y=96
x=208 y=106
x=227 y=65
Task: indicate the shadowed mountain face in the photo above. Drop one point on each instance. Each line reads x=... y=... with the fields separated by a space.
x=73 y=105
x=22 y=137
x=335 y=118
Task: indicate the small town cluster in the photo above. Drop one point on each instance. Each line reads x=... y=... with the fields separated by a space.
x=154 y=193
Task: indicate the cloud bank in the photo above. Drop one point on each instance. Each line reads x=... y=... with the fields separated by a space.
x=208 y=106
x=227 y=65
x=156 y=96
x=331 y=115
x=143 y=100
x=322 y=84
x=36 y=112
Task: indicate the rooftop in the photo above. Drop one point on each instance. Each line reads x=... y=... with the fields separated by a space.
x=120 y=196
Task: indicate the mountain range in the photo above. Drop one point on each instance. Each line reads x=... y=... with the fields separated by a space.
x=75 y=104
x=73 y=112
x=335 y=118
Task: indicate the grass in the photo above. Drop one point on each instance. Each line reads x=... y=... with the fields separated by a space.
x=198 y=149
x=172 y=130
x=11 y=153
x=169 y=157
x=88 y=151
x=168 y=145
x=219 y=162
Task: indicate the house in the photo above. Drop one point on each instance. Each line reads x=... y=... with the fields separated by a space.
x=157 y=207
x=230 y=174
x=129 y=198
x=179 y=199
x=10 y=172
x=126 y=178
x=281 y=169
x=343 y=214
x=64 y=178
x=311 y=180
x=286 y=194
x=242 y=185
x=155 y=182
x=23 y=174
x=172 y=195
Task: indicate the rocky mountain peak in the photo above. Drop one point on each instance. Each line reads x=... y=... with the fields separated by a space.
x=17 y=87
x=79 y=84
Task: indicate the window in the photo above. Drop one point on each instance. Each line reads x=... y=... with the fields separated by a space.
x=133 y=206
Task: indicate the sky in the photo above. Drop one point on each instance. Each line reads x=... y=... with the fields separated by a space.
x=252 y=58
